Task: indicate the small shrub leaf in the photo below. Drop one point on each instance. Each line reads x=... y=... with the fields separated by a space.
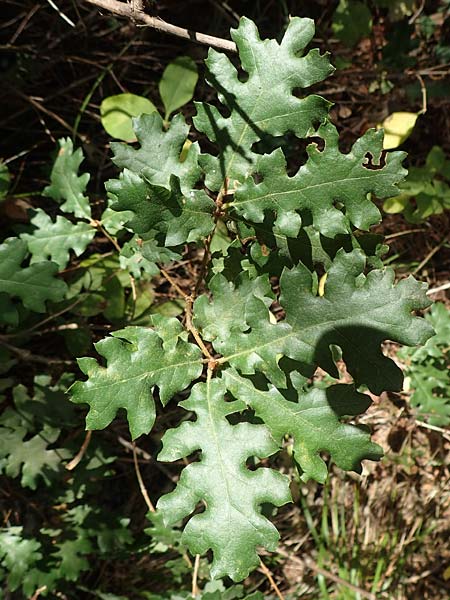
x=53 y=240
x=66 y=185
x=177 y=84
x=35 y=284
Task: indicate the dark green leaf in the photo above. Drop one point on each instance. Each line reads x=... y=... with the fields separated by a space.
x=137 y=360
x=352 y=21
x=263 y=104
x=313 y=419
x=327 y=178
x=232 y=524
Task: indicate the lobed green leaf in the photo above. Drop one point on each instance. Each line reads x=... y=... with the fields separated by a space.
x=35 y=284
x=232 y=524
x=138 y=359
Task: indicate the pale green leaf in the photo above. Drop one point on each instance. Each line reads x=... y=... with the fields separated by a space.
x=427 y=370
x=177 y=84
x=17 y=554
x=114 y=221
x=29 y=458
x=66 y=186
x=430 y=385
x=140 y=256
x=53 y=240
x=117 y=112
x=396 y=205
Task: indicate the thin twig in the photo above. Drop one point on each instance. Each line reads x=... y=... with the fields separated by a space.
x=430 y=255
x=24 y=23
x=125 y=10
x=445 y=433
x=207 y=253
x=38 y=592
x=46 y=111
x=397 y=234
x=191 y=327
x=424 y=94
x=142 y=487
x=61 y=14
x=205 y=259
x=81 y=452
x=100 y=227
x=195 y=575
x=440 y=288
x=189 y=324
x=44 y=321
x=28 y=356
x=417 y=14
x=273 y=585
x=148 y=457
x=174 y=284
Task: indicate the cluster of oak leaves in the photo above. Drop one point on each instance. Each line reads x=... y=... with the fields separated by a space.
x=279 y=228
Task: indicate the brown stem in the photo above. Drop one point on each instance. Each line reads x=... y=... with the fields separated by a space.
x=142 y=487
x=125 y=10
x=207 y=255
x=195 y=575
x=174 y=284
x=205 y=260
x=189 y=324
x=269 y=576
x=81 y=452
x=27 y=356
x=191 y=327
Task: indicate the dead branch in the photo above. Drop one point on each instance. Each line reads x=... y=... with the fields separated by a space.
x=126 y=10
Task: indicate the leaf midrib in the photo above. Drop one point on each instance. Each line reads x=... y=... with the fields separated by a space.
x=299 y=190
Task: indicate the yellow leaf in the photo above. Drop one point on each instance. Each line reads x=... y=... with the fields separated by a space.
x=322 y=281
x=184 y=150
x=397 y=128
x=396 y=205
